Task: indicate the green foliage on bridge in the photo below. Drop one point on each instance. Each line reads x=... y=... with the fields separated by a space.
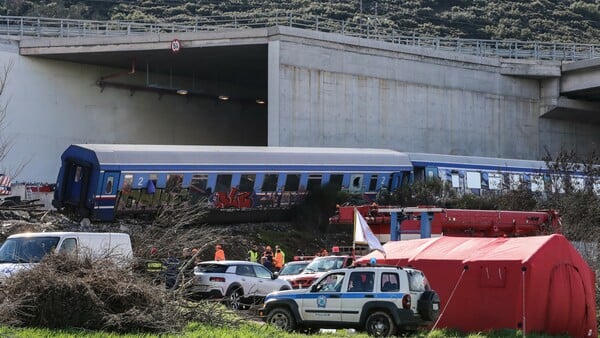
x=540 y=20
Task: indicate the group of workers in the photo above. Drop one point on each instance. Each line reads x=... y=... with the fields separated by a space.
x=171 y=267
x=272 y=260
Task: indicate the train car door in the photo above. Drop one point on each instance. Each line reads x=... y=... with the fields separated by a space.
x=107 y=196
x=76 y=185
x=431 y=173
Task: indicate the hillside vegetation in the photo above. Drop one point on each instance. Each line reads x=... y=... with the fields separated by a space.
x=539 y=20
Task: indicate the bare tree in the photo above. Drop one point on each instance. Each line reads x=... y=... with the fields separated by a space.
x=6 y=143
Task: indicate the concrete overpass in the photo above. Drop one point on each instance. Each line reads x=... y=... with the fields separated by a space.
x=297 y=87
x=572 y=98
x=577 y=97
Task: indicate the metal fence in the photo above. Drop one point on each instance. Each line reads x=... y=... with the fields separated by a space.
x=368 y=29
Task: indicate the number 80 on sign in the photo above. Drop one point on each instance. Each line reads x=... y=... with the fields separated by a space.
x=175 y=46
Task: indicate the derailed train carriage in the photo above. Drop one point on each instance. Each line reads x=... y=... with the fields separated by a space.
x=102 y=181
x=484 y=175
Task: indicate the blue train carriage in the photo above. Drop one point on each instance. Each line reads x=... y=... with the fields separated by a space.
x=99 y=181
x=486 y=175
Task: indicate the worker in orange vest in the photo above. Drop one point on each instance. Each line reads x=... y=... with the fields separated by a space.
x=219 y=253
x=278 y=259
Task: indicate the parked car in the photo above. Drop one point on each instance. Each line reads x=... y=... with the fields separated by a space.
x=317 y=267
x=378 y=300
x=238 y=283
x=292 y=269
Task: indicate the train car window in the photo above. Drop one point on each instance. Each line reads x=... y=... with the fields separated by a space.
x=223 y=183
x=505 y=181
x=314 y=181
x=373 y=183
x=174 y=183
x=199 y=184
x=292 y=182
x=485 y=181
x=431 y=173
x=270 y=182
x=335 y=181
x=419 y=174
x=455 y=180
x=148 y=194
x=247 y=182
x=515 y=181
x=578 y=183
x=78 y=174
x=199 y=187
x=537 y=183
x=473 y=180
x=557 y=184
x=109 y=185
x=356 y=183
x=495 y=181
x=127 y=183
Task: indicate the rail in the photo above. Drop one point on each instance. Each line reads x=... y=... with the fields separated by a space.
x=13 y=26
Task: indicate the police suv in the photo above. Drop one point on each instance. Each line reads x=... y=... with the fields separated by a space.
x=377 y=299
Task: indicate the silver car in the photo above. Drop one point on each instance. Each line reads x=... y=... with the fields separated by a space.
x=239 y=283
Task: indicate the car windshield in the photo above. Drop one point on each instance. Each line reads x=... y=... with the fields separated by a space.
x=321 y=264
x=293 y=269
x=27 y=249
x=214 y=268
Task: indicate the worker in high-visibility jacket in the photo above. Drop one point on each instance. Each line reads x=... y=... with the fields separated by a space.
x=253 y=254
x=279 y=258
x=283 y=253
x=219 y=253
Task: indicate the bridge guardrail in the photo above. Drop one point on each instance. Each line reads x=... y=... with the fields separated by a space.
x=366 y=28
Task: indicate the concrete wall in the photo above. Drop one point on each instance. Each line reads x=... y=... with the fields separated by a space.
x=53 y=104
x=344 y=92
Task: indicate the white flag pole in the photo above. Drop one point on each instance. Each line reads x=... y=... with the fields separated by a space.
x=354 y=237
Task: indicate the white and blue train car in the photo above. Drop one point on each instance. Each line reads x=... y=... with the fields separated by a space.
x=99 y=181
x=481 y=175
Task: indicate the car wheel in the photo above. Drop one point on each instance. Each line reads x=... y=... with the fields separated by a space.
x=281 y=318
x=380 y=324
x=234 y=300
x=428 y=306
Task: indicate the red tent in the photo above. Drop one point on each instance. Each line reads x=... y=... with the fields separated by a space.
x=537 y=284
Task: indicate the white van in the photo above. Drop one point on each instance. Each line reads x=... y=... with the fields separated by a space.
x=21 y=251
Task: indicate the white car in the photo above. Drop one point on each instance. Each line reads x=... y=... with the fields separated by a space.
x=379 y=300
x=239 y=283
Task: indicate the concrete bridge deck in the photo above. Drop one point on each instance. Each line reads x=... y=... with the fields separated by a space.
x=573 y=98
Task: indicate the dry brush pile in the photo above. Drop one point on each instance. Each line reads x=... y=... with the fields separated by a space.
x=70 y=291
x=66 y=291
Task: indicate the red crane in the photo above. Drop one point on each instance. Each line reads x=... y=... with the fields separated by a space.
x=454 y=222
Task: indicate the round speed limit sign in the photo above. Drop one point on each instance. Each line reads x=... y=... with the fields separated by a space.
x=175 y=46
